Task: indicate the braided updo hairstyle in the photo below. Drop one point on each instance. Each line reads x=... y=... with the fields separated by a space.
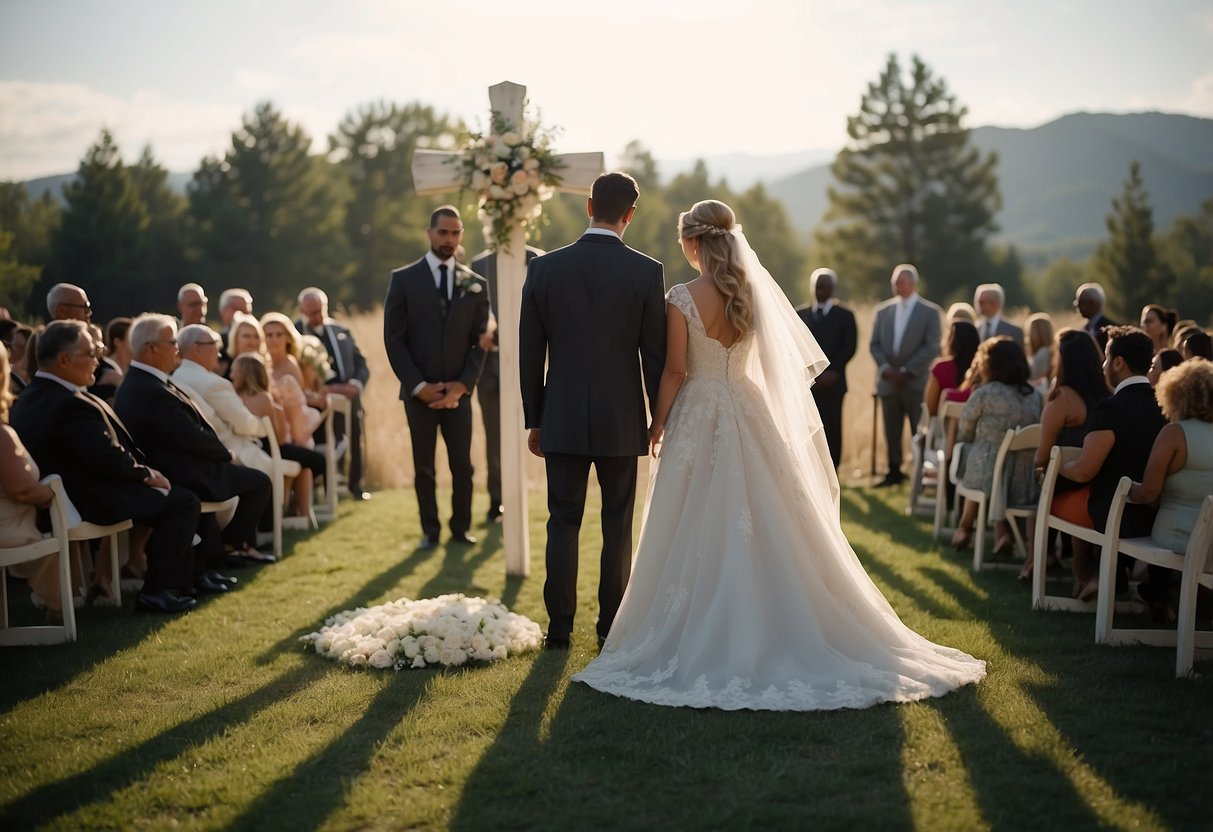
x=711 y=222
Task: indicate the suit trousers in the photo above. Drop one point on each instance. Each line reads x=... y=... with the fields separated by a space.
x=829 y=406
x=568 y=476
x=490 y=414
x=170 y=549
x=901 y=404
x=456 y=427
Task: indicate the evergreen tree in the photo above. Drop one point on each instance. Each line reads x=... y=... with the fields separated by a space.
x=1132 y=272
x=910 y=188
x=27 y=228
x=1187 y=252
x=162 y=246
x=268 y=216
x=17 y=279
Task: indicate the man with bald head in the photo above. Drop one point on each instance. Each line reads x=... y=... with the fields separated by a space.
x=67 y=302
x=833 y=325
x=1089 y=301
x=905 y=338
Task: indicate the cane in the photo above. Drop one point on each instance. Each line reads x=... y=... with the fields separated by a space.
x=875 y=407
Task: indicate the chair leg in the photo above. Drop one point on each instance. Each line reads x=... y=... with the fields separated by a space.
x=1185 y=636
x=66 y=595
x=3 y=598
x=979 y=542
x=1105 y=603
x=116 y=566
x=277 y=496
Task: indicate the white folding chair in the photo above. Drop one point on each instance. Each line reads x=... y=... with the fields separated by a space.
x=922 y=466
x=334 y=451
x=59 y=544
x=1016 y=440
x=119 y=551
x=949 y=412
x=1195 y=566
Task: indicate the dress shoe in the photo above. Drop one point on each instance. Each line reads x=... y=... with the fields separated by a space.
x=359 y=494
x=223 y=579
x=206 y=585
x=494 y=515
x=464 y=538
x=163 y=601
x=427 y=542
x=891 y=479
x=550 y=643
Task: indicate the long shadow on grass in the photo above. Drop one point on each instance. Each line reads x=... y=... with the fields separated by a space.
x=98 y=782
x=305 y=797
x=915 y=593
x=373 y=588
x=459 y=566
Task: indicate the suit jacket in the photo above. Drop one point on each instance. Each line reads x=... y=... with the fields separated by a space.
x=174 y=435
x=837 y=335
x=485 y=265
x=1099 y=322
x=595 y=310
x=347 y=360
x=232 y=418
x=919 y=344
x=423 y=345
x=84 y=442
x=1134 y=417
x=1006 y=328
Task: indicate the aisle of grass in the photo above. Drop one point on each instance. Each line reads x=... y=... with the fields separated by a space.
x=220 y=720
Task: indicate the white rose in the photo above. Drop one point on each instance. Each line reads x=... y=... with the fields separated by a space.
x=432 y=654
x=479 y=643
x=357 y=660
x=518 y=177
x=458 y=657
x=500 y=173
x=530 y=164
x=475 y=288
x=511 y=138
x=499 y=652
x=381 y=659
x=447 y=656
x=418 y=662
x=409 y=645
x=503 y=151
x=523 y=152
x=520 y=188
x=483 y=160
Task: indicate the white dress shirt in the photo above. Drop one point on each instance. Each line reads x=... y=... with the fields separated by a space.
x=901 y=319
x=433 y=262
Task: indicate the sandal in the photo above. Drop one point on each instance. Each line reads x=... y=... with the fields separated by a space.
x=962 y=537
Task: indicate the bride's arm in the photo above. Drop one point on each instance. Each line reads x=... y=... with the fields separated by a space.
x=673 y=375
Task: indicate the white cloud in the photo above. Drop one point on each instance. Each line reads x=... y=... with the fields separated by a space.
x=260 y=81
x=1199 y=98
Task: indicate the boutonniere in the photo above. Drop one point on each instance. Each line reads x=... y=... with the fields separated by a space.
x=467 y=285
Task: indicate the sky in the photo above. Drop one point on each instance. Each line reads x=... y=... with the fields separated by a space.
x=686 y=79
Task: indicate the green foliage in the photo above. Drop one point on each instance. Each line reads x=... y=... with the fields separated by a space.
x=910 y=188
x=1187 y=253
x=25 y=246
x=1132 y=272
x=16 y=278
x=268 y=216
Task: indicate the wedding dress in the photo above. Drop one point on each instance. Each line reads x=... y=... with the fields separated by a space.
x=745 y=594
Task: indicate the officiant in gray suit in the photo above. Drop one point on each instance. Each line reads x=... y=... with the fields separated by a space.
x=488 y=390
x=989 y=299
x=905 y=338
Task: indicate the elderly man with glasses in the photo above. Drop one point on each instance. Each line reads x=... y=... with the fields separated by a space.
x=66 y=302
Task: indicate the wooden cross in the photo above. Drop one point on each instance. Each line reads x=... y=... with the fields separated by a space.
x=435 y=171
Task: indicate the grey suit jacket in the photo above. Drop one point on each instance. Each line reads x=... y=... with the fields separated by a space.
x=919 y=344
x=1006 y=328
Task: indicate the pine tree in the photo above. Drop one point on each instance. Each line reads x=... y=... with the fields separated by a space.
x=1132 y=272
x=910 y=188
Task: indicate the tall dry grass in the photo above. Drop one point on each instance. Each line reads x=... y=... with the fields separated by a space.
x=389 y=460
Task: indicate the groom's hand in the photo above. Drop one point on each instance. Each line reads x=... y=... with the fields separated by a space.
x=532 y=442
x=655 y=434
x=454 y=392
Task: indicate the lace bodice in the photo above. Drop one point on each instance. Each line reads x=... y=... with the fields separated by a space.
x=707 y=357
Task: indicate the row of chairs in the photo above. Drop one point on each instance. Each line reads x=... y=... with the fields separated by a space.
x=66 y=536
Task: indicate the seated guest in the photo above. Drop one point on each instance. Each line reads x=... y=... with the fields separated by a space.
x=231 y=301
x=191 y=304
x=18 y=377
x=1040 y=349
x=1163 y=361
x=117 y=348
x=949 y=370
x=74 y=434
x=108 y=375
x=1159 y=323
x=247 y=336
x=1120 y=433
x=283 y=344
x=1004 y=400
x=67 y=302
x=1181 y=331
x=1196 y=343
x=177 y=438
x=1179 y=472
x=251 y=380
x=989 y=299
x=21 y=494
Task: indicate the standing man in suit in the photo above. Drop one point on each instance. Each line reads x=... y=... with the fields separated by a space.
x=905 y=338
x=833 y=325
x=989 y=299
x=350 y=372
x=1089 y=301
x=594 y=312
x=434 y=315
x=180 y=441
x=74 y=434
x=488 y=391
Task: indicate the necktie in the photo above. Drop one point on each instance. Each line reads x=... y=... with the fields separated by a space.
x=443 y=296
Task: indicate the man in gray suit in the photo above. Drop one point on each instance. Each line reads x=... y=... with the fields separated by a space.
x=905 y=338
x=989 y=298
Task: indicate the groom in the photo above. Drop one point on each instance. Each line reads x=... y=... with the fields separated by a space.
x=595 y=310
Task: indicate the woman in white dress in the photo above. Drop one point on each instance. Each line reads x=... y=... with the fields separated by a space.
x=744 y=592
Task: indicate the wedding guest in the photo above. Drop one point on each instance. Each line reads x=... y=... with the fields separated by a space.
x=989 y=299
x=231 y=301
x=833 y=325
x=950 y=370
x=66 y=302
x=961 y=311
x=350 y=375
x=1120 y=433
x=488 y=389
x=1196 y=343
x=1159 y=323
x=1163 y=360
x=21 y=494
x=1004 y=400
x=905 y=338
x=1040 y=348
x=191 y=304
x=1079 y=385
x=282 y=346
x=1181 y=331
x=247 y=336
x=433 y=345
x=109 y=374
x=1089 y=301
x=18 y=375
x=117 y=348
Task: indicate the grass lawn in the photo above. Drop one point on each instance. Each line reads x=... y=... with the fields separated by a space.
x=219 y=719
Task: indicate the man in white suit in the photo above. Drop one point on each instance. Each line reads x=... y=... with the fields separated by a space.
x=989 y=298
x=905 y=339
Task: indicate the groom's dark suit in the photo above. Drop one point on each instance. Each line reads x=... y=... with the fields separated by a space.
x=595 y=310
x=431 y=339
x=836 y=333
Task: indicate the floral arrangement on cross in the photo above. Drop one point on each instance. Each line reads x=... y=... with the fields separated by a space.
x=514 y=171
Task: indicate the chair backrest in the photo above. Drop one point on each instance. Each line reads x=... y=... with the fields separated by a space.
x=1200 y=543
x=1059 y=455
x=948 y=410
x=1015 y=439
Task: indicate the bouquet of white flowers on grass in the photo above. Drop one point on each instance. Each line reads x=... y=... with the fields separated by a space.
x=513 y=169
x=449 y=630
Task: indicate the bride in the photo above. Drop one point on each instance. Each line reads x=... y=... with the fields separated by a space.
x=745 y=592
